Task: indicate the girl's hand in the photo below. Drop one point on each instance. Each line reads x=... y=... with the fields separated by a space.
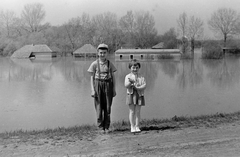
x=131 y=81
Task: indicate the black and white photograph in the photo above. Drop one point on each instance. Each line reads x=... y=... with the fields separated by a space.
x=119 y=78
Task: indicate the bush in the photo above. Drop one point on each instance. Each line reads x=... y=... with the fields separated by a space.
x=186 y=56
x=165 y=56
x=212 y=50
x=9 y=49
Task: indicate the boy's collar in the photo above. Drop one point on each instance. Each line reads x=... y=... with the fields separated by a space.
x=102 y=62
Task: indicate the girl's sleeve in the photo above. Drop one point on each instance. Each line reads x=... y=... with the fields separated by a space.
x=143 y=84
x=127 y=83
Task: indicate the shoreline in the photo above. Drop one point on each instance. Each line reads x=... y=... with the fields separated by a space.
x=175 y=122
x=214 y=135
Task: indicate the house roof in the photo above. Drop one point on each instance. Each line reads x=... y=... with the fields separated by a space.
x=147 y=51
x=55 y=49
x=158 y=46
x=87 y=48
x=26 y=50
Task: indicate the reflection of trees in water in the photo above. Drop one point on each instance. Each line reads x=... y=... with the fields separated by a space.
x=5 y=66
x=24 y=69
x=74 y=69
x=223 y=73
x=190 y=74
x=169 y=67
x=21 y=70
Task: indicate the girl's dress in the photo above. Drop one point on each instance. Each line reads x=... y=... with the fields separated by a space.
x=134 y=96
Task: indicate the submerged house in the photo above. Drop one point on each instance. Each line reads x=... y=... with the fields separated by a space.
x=158 y=46
x=33 y=51
x=86 y=50
x=144 y=53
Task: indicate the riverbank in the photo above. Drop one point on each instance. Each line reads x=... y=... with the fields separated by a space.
x=185 y=135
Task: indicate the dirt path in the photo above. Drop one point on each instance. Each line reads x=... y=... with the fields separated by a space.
x=223 y=140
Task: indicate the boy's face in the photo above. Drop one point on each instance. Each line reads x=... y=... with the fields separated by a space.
x=134 y=69
x=102 y=54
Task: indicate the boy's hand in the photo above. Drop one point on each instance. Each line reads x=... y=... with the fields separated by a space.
x=93 y=94
x=114 y=93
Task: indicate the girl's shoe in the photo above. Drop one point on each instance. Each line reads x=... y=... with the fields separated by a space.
x=137 y=129
x=133 y=129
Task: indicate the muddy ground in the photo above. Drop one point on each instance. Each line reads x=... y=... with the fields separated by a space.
x=221 y=140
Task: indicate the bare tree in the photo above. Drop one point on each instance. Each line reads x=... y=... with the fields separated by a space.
x=7 y=19
x=182 y=22
x=195 y=30
x=68 y=29
x=17 y=27
x=127 y=26
x=106 y=26
x=170 y=39
x=224 y=22
x=138 y=28
x=127 y=22
x=82 y=30
x=32 y=17
x=145 y=29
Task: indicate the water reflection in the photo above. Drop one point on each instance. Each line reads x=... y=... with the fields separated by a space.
x=170 y=68
x=47 y=94
x=223 y=73
x=191 y=73
x=25 y=69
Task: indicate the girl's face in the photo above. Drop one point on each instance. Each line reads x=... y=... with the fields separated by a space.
x=102 y=54
x=134 y=69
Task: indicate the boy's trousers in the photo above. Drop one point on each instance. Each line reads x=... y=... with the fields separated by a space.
x=103 y=102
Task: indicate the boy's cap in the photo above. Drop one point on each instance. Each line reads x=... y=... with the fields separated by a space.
x=102 y=46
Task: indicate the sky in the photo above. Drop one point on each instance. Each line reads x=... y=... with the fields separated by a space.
x=165 y=12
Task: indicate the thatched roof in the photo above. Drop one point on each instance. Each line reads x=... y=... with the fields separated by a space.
x=87 y=48
x=158 y=46
x=26 y=50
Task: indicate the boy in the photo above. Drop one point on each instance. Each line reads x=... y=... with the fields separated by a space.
x=102 y=86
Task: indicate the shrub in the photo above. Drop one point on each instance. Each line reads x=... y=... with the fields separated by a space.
x=9 y=49
x=212 y=50
x=186 y=56
x=165 y=56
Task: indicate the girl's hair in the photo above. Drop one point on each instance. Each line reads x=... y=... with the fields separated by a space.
x=134 y=62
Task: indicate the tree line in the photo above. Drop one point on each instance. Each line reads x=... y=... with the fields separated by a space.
x=132 y=30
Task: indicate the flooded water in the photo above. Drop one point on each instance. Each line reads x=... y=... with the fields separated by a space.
x=54 y=93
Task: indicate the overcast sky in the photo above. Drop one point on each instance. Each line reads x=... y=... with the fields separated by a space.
x=165 y=12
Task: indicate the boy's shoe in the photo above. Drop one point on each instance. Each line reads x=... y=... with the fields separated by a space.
x=107 y=131
x=137 y=129
x=101 y=131
x=133 y=129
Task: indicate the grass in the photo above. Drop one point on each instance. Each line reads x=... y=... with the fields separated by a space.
x=89 y=131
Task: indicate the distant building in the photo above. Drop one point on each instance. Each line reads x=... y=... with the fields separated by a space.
x=143 y=53
x=158 y=46
x=56 y=51
x=33 y=51
x=86 y=50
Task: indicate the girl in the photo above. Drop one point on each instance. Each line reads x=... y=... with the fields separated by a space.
x=135 y=84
